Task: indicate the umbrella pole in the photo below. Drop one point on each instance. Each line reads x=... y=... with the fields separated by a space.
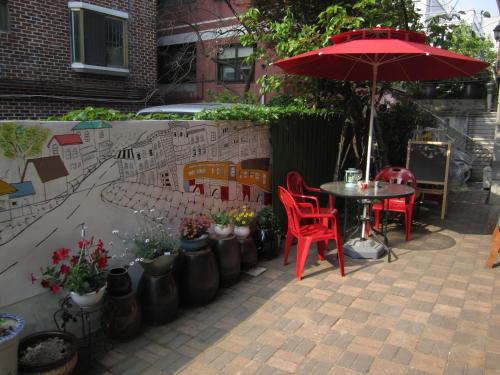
x=369 y=151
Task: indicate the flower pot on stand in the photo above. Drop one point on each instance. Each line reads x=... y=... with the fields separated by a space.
x=57 y=353
x=223 y=230
x=9 y=342
x=195 y=244
x=88 y=299
x=241 y=232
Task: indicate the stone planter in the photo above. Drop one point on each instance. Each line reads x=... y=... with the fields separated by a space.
x=88 y=299
x=62 y=366
x=119 y=282
x=249 y=256
x=158 y=266
x=159 y=298
x=121 y=316
x=223 y=231
x=268 y=244
x=241 y=232
x=9 y=343
x=200 y=279
x=195 y=244
x=228 y=255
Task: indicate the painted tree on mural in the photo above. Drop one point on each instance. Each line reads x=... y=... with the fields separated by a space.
x=21 y=142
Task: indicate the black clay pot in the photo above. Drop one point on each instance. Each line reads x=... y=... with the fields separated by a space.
x=267 y=243
x=119 y=282
x=200 y=279
x=228 y=255
x=158 y=297
x=121 y=317
x=62 y=366
x=248 y=253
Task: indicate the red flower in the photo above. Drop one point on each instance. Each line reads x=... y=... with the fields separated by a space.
x=55 y=288
x=64 y=269
x=102 y=262
x=45 y=283
x=100 y=245
x=59 y=255
x=83 y=244
x=74 y=260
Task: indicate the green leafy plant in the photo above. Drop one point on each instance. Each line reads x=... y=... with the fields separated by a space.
x=266 y=219
x=222 y=218
x=154 y=245
x=82 y=272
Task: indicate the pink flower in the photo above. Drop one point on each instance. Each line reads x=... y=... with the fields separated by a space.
x=33 y=278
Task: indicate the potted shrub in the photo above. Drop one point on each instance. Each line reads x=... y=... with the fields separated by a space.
x=223 y=226
x=48 y=352
x=82 y=273
x=10 y=327
x=193 y=232
x=155 y=252
x=242 y=219
x=267 y=233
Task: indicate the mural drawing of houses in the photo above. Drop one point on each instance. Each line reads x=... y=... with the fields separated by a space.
x=67 y=146
x=48 y=176
x=5 y=190
x=126 y=164
x=96 y=133
x=21 y=201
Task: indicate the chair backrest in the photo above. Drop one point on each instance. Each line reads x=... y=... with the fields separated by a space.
x=295 y=182
x=290 y=208
x=397 y=175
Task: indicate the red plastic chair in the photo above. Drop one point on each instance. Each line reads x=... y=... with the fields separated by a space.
x=298 y=188
x=396 y=175
x=306 y=234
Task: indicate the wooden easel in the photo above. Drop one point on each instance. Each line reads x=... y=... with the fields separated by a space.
x=430 y=163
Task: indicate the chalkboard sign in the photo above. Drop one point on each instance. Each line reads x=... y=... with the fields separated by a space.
x=428 y=161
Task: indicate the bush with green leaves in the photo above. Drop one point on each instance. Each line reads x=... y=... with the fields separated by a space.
x=266 y=219
x=222 y=218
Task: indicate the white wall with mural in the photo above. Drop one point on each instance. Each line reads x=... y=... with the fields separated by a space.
x=54 y=176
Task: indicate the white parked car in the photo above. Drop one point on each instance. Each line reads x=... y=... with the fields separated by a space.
x=183 y=109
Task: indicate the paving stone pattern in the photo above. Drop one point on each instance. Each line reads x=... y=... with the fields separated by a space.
x=434 y=310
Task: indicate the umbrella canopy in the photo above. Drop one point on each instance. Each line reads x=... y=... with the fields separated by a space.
x=383 y=54
x=393 y=55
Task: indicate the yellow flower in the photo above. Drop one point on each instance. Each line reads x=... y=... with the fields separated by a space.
x=243 y=222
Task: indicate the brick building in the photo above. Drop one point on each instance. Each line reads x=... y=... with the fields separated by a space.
x=59 y=55
x=199 y=50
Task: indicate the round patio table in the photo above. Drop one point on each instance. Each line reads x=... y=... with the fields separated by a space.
x=363 y=246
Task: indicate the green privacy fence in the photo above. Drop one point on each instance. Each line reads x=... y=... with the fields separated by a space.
x=307 y=145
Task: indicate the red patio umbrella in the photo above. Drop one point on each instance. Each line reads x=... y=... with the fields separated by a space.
x=381 y=54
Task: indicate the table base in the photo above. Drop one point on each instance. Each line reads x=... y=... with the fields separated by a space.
x=359 y=248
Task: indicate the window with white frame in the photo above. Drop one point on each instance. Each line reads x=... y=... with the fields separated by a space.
x=4 y=16
x=99 y=39
x=231 y=65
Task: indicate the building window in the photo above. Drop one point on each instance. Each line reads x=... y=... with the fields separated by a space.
x=55 y=149
x=67 y=154
x=213 y=136
x=170 y=3
x=231 y=65
x=4 y=16
x=99 y=39
x=86 y=136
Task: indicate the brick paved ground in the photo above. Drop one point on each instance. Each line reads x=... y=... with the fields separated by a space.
x=435 y=310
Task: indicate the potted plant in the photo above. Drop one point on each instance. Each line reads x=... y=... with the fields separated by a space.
x=223 y=226
x=193 y=232
x=242 y=219
x=82 y=273
x=267 y=233
x=155 y=252
x=48 y=352
x=10 y=327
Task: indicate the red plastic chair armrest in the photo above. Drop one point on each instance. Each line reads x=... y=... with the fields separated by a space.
x=306 y=205
x=307 y=197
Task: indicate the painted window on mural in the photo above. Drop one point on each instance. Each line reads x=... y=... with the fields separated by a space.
x=231 y=65
x=4 y=16
x=98 y=39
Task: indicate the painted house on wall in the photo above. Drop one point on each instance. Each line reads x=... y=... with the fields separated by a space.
x=126 y=164
x=96 y=133
x=67 y=146
x=5 y=190
x=22 y=200
x=48 y=176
